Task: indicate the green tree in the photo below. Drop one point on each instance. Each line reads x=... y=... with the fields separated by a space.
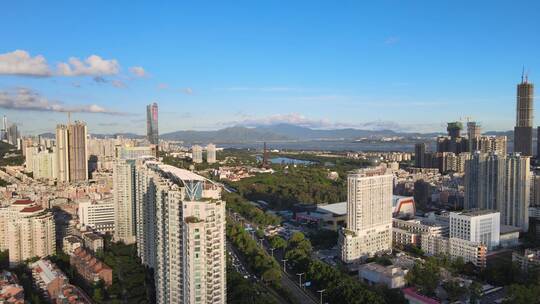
x=278 y=242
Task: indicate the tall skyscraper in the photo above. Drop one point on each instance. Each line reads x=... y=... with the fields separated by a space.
x=473 y=131
x=124 y=201
x=197 y=154
x=62 y=153
x=181 y=233
x=487 y=144
x=78 y=158
x=516 y=200
x=152 y=133
x=453 y=142
x=524 y=117
x=538 y=143
x=500 y=183
x=484 y=181
x=211 y=153
x=71 y=152
x=369 y=215
x=420 y=154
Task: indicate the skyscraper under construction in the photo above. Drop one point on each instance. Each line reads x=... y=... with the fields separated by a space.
x=524 y=117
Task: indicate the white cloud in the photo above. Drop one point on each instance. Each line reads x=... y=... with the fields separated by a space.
x=292 y=118
x=20 y=63
x=29 y=100
x=303 y=121
x=92 y=66
x=138 y=71
x=188 y=91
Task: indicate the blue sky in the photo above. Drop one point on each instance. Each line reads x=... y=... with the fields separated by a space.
x=404 y=65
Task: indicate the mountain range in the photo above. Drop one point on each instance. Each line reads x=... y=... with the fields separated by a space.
x=281 y=132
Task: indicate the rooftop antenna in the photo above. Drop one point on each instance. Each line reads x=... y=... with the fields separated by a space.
x=522 y=73
x=69 y=118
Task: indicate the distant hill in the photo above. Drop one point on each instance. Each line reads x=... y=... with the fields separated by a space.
x=124 y=135
x=284 y=132
x=227 y=135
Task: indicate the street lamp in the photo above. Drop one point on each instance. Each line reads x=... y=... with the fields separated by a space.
x=321 y=292
x=272 y=250
x=284 y=265
x=300 y=278
x=261 y=241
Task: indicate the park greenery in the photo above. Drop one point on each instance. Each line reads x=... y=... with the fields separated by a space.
x=284 y=188
x=16 y=159
x=258 y=260
x=238 y=204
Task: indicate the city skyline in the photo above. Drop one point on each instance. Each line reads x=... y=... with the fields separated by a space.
x=377 y=67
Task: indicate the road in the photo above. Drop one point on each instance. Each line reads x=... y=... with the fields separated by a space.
x=302 y=296
x=241 y=267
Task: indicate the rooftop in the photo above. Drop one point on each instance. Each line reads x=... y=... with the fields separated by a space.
x=182 y=174
x=509 y=229
x=336 y=208
x=476 y=212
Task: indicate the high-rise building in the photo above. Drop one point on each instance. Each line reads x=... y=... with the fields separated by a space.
x=419 y=154
x=211 y=153
x=184 y=242
x=474 y=130
x=124 y=201
x=499 y=183
x=12 y=134
x=152 y=134
x=538 y=143
x=516 y=199
x=78 y=158
x=62 y=153
x=369 y=215
x=197 y=154
x=453 y=142
x=484 y=181
x=71 y=152
x=27 y=231
x=44 y=165
x=486 y=144
x=524 y=117
x=481 y=226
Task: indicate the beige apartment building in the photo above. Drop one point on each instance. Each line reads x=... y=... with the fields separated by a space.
x=26 y=230
x=369 y=215
x=181 y=233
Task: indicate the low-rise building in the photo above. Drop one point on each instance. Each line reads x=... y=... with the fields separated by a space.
x=10 y=290
x=70 y=243
x=469 y=251
x=98 y=215
x=92 y=241
x=528 y=260
x=408 y=232
x=375 y=274
x=403 y=206
x=89 y=267
x=482 y=226
x=509 y=236
x=48 y=278
x=54 y=284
